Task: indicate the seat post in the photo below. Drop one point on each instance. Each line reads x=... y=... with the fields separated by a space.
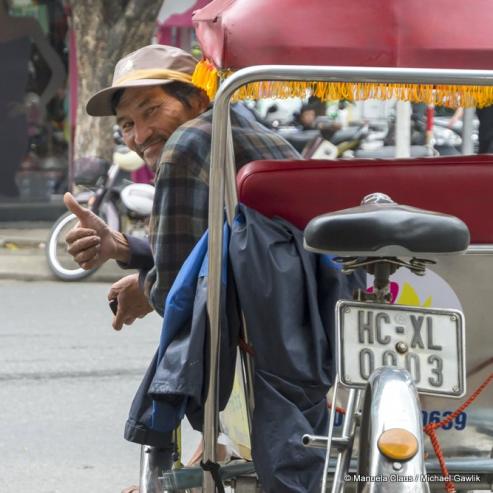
x=381 y=283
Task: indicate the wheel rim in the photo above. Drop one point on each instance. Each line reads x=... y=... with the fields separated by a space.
x=62 y=261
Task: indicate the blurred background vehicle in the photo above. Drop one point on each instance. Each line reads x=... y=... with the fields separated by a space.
x=364 y=129
x=104 y=188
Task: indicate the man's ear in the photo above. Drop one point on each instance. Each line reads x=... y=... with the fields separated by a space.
x=202 y=101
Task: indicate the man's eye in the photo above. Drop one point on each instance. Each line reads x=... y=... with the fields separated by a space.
x=152 y=110
x=126 y=126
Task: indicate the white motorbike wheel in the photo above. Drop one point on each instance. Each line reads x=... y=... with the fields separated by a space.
x=59 y=261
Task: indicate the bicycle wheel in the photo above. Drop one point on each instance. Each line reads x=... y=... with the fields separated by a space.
x=59 y=260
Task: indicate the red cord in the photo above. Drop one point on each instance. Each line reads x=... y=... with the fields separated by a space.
x=339 y=410
x=430 y=428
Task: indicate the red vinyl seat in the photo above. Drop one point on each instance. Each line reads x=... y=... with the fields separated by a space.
x=300 y=190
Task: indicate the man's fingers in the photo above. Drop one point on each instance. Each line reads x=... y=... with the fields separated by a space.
x=73 y=206
x=88 y=255
x=90 y=264
x=85 y=247
x=78 y=232
x=112 y=293
x=89 y=258
x=84 y=243
x=121 y=318
x=131 y=489
x=118 y=319
x=117 y=325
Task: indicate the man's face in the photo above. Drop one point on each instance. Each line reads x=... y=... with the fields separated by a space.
x=147 y=117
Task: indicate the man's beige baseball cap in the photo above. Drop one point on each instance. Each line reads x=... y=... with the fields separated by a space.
x=149 y=66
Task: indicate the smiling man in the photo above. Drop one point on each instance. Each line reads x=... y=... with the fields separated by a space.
x=168 y=122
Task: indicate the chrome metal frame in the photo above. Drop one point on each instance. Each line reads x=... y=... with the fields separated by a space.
x=222 y=182
x=344 y=452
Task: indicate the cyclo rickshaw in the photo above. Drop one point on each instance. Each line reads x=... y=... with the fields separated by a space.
x=402 y=367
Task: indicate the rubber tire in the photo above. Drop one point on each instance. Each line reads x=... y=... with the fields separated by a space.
x=54 y=264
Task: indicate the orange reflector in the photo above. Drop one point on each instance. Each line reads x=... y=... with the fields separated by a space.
x=398 y=444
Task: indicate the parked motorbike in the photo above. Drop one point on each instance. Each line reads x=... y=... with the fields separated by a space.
x=336 y=142
x=445 y=141
x=123 y=205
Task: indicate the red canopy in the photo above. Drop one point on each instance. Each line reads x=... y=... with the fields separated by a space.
x=368 y=33
x=372 y=33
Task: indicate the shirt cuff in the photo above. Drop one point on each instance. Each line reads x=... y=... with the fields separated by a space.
x=140 y=254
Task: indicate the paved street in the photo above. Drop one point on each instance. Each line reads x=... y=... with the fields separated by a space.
x=66 y=384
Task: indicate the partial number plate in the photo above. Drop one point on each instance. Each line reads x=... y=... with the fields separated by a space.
x=427 y=342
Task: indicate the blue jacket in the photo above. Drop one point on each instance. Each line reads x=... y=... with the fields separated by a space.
x=173 y=384
x=288 y=297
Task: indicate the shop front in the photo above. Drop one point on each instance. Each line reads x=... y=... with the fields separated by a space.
x=34 y=108
x=38 y=93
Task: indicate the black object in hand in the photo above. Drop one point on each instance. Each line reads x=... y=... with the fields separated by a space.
x=114 y=305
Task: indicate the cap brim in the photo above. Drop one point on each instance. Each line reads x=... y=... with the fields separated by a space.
x=100 y=103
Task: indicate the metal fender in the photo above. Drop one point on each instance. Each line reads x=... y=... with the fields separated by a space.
x=391 y=401
x=138 y=197
x=127 y=160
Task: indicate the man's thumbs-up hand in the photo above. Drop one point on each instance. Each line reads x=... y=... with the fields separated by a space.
x=86 y=217
x=91 y=242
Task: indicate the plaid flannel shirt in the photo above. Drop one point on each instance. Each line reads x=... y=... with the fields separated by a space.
x=180 y=210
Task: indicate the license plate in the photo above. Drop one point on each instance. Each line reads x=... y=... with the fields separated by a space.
x=427 y=342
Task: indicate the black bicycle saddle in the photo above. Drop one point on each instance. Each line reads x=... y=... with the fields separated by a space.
x=381 y=228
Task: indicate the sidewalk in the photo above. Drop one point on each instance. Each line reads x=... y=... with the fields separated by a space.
x=22 y=255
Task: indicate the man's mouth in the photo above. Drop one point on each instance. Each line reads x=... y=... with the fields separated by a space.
x=150 y=152
x=152 y=144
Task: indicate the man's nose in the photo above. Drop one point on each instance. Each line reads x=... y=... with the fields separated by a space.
x=141 y=132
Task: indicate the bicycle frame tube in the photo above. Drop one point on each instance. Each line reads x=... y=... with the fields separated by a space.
x=222 y=177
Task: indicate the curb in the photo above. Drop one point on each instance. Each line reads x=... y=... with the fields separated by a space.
x=26 y=261
x=21 y=243
x=21 y=276
x=30 y=277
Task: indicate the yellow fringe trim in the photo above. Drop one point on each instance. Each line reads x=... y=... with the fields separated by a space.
x=207 y=77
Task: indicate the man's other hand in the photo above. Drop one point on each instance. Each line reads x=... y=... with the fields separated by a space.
x=132 y=302
x=131 y=489
x=91 y=242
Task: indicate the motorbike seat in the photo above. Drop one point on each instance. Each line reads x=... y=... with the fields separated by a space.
x=345 y=134
x=299 y=138
x=386 y=230
x=88 y=170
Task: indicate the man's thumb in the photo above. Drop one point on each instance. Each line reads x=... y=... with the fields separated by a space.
x=73 y=206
